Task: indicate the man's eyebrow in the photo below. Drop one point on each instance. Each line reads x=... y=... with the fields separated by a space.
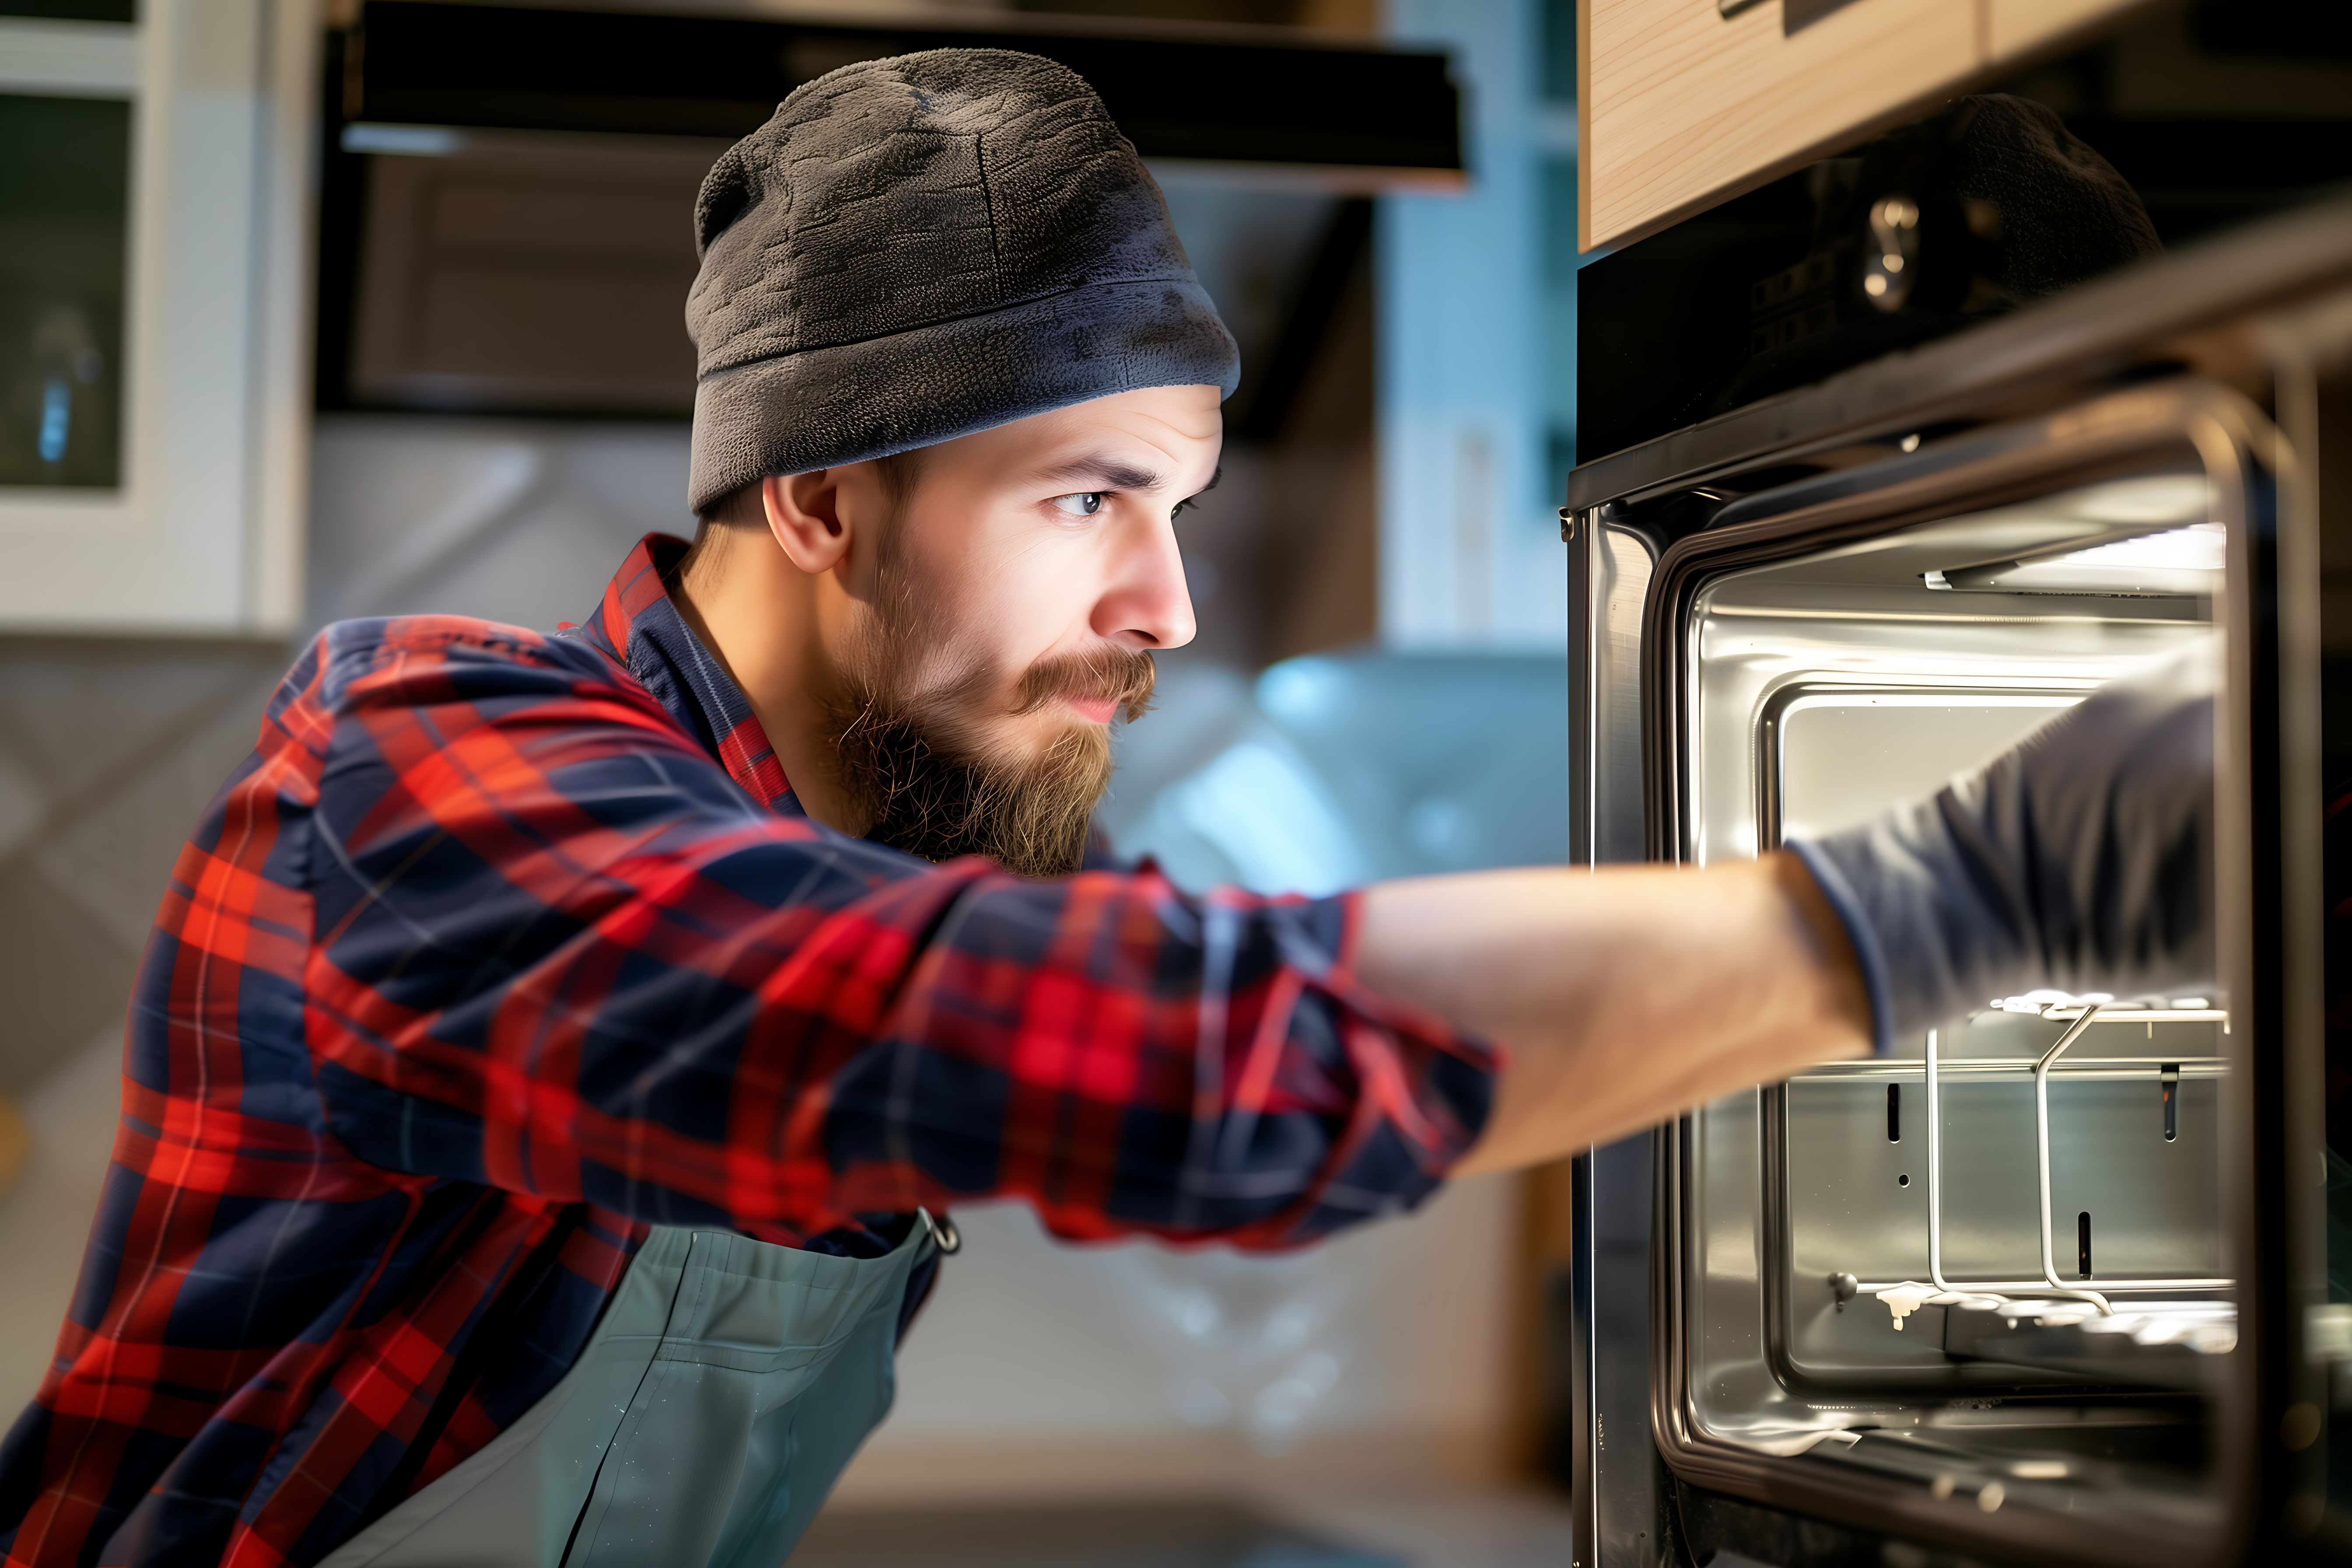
x=1109 y=473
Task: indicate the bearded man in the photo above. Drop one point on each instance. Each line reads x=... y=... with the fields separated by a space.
x=555 y=1053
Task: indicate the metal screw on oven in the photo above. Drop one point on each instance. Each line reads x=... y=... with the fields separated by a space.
x=1843 y=1287
x=1894 y=267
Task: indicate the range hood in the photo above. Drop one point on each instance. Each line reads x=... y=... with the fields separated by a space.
x=505 y=192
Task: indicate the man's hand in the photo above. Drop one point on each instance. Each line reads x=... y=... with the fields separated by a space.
x=2081 y=859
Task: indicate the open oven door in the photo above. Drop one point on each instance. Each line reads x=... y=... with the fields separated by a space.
x=2050 y=1284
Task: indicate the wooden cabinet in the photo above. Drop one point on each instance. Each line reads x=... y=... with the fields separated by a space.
x=1681 y=103
x=154 y=291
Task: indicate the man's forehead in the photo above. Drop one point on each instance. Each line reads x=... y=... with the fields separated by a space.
x=1126 y=441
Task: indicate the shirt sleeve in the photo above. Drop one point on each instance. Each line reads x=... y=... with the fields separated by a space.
x=557 y=950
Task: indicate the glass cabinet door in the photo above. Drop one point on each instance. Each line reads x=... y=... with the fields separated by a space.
x=153 y=288
x=64 y=212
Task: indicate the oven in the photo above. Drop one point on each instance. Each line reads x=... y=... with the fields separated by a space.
x=2052 y=1282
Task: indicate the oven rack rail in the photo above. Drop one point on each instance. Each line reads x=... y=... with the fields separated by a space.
x=1910 y=1294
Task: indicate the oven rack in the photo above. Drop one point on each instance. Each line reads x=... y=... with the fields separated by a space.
x=1903 y=1297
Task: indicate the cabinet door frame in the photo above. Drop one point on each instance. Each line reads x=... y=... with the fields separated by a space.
x=204 y=533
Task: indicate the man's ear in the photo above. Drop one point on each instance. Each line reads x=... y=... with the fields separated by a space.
x=804 y=514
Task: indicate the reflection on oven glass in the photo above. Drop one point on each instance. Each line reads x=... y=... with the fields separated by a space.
x=64 y=198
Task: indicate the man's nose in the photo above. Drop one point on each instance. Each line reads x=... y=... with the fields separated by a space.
x=1145 y=604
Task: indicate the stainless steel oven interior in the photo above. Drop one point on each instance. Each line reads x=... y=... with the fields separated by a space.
x=1989 y=1280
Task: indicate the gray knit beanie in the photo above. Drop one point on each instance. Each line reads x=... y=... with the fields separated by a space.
x=912 y=250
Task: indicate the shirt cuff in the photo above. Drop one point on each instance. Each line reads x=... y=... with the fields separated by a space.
x=1847 y=906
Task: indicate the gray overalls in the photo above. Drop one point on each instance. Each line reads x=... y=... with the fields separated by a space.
x=727 y=1384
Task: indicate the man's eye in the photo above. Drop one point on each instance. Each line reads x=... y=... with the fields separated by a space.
x=1086 y=503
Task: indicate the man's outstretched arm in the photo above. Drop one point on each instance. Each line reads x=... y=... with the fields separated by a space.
x=1623 y=996
x=557 y=950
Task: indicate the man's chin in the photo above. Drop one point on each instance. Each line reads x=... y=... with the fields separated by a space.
x=1024 y=803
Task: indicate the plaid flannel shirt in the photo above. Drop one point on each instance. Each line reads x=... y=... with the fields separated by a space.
x=501 y=947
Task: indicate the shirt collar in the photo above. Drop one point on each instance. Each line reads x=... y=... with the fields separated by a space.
x=639 y=626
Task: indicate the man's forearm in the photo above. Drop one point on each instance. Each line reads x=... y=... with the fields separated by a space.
x=1622 y=996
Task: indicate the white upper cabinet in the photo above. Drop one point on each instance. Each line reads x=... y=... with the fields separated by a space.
x=154 y=299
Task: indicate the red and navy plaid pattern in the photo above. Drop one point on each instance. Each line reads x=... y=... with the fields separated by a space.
x=499 y=948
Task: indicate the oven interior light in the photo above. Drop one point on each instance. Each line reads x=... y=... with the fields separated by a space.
x=2167 y=563
x=2200 y=547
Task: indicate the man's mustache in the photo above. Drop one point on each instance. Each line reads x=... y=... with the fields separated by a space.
x=1121 y=676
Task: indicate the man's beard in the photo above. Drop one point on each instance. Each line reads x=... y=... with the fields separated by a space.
x=915 y=755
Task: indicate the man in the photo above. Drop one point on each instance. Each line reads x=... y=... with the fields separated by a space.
x=554 y=1051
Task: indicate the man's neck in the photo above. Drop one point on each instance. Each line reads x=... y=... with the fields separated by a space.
x=759 y=616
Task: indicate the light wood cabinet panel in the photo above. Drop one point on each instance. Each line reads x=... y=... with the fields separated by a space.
x=1682 y=105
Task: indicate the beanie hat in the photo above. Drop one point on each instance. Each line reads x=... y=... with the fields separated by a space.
x=912 y=250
